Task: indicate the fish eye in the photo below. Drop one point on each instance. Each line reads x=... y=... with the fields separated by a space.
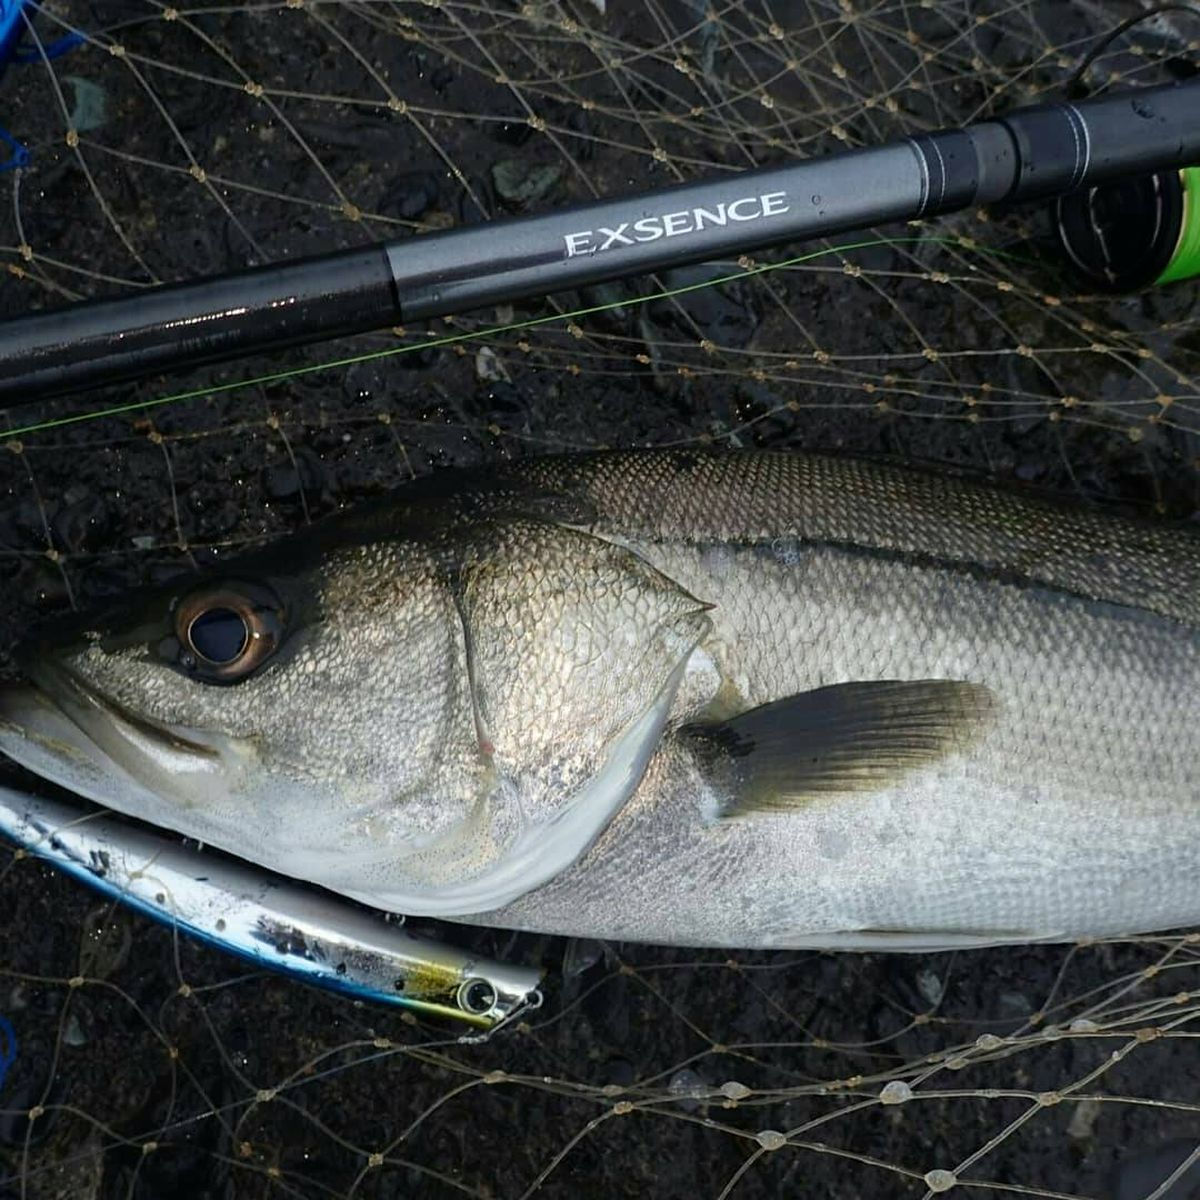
x=224 y=634
x=219 y=636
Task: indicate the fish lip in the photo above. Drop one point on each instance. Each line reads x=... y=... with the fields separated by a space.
x=40 y=736
x=61 y=730
x=54 y=682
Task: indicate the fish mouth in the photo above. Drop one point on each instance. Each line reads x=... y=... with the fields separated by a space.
x=71 y=735
x=37 y=734
x=92 y=711
x=203 y=785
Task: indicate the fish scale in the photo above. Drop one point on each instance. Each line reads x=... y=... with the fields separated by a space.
x=1088 y=779
x=766 y=496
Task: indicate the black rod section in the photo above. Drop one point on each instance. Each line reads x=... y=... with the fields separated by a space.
x=1030 y=154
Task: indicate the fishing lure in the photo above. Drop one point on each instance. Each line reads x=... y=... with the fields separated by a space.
x=265 y=919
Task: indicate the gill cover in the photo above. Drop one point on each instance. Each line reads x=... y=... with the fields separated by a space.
x=574 y=649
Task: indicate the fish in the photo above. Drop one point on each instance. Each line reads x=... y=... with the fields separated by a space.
x=741 y=699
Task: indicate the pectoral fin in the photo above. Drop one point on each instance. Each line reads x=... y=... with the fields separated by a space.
x=850 y=737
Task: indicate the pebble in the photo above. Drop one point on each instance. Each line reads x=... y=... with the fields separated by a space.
x=413 y=194
x=716 y=313
x=1144 y=1171
x=90 y=110
x=488 y=366
x=1083 y=1119
x=474 y=205
x=931 y=987
x=580 y=955
x=520 y=185
x=689 y=1089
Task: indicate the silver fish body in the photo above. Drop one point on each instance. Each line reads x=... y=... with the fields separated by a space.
x=742 y=700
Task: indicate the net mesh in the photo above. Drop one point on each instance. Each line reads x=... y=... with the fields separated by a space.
x=164 y=142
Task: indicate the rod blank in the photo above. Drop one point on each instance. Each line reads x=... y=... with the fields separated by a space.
x=1028 y=155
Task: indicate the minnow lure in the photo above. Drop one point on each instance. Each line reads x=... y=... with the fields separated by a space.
x=265 y=919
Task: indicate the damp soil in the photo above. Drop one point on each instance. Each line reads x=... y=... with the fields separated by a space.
x=88 y=511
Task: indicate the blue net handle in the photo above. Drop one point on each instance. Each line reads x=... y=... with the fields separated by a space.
x=53 y=49
x=11 y=27
x=12 y=153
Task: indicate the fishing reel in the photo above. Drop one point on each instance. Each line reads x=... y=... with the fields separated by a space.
x=1140 y=230
x=1133 y=233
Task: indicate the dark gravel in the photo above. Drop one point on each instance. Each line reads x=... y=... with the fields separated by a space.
x=147 y=1076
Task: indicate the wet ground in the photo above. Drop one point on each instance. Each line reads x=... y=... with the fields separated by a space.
x=160 y=1068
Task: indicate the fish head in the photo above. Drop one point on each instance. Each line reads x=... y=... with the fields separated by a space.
x=432 y=723
x=255 y=703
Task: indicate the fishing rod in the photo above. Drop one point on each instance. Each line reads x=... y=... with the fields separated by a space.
x=1063 y=149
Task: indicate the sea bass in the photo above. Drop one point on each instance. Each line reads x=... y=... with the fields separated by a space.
x=753 y=699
